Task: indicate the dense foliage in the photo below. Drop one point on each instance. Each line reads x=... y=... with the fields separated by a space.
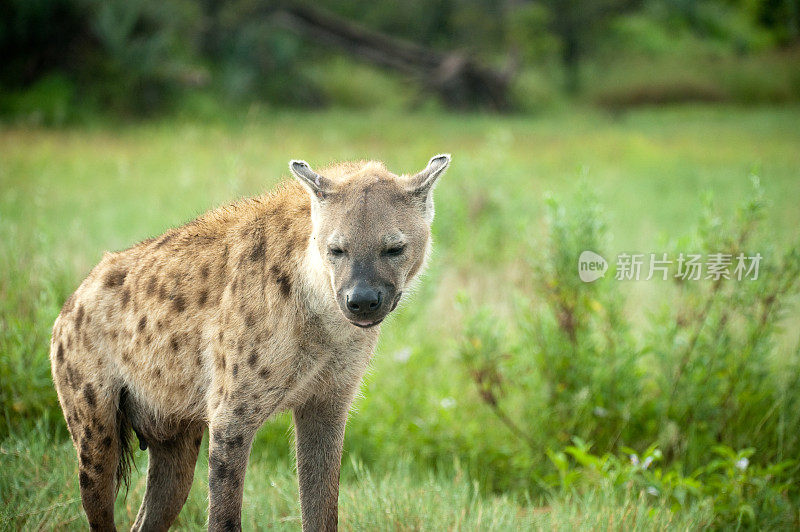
x=708 y=394
x=62 y=57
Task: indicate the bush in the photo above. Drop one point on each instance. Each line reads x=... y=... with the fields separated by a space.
x=50 y=101
x=708 y=375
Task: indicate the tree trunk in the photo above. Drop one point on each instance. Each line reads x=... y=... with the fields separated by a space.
x=460 y=80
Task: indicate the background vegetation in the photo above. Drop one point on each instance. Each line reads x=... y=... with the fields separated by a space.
x=65 y=59
x=506 y=393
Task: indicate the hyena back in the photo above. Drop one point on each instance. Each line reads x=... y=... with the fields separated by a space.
x=267 y=305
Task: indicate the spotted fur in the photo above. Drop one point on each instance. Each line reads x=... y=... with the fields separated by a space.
x=222 y=323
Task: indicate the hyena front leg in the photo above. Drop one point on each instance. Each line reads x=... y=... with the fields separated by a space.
x=319 y=427
x=230 y=438
x=170 y=470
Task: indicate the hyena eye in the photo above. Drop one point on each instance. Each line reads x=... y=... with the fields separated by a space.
x=395 y=250
x=336 y=251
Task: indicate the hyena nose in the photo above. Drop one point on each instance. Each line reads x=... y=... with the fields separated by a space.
x=363 y=299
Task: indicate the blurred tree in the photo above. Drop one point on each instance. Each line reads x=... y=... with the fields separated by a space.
x=576 y=24
x=252 y=57
x=133 y=56
x=145 y=52
x=781 y=16
x=39 y=36
x=457 y=77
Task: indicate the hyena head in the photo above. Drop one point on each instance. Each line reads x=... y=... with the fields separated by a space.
x=372 y=230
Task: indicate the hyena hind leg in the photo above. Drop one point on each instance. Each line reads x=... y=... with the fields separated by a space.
x=91 y=412
x=170 y=470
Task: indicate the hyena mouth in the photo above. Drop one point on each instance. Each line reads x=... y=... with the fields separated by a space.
x=366 y=324
x=396 y=300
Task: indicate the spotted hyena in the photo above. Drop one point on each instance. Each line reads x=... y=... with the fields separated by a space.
x=269 y=304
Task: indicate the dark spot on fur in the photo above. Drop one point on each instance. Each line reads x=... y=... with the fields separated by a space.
x=219 y=469
x=179 y=303
x=257 y=253
x=86 y=460
x=164 y=239
x=142 y=323
x=204 y=271
x=106 y=442
x=115 y=278
x=162 y=292
x=264 y=373
x=79 y=318
x=126 y=356
x=69 y=304
x=173 y=343
x=74 y=378
x=98 y=468
x=221 y=336
x=250 y=319
x=283 y=281
x=85 y=481
x=157 y=373
x=202 y=298
x=198 y=441
x=87 y=434
x=126 y=297
x=60 y=353
x=199 y=358
x=152 y=284
x=239 y=410
x=253 y=358
x=235 y=370
x=223 y=267
x=88 y=392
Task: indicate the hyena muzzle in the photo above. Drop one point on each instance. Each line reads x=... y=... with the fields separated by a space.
x=269 y=304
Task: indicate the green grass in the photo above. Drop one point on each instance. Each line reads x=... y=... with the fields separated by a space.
x=66 y=195
x=39 y=491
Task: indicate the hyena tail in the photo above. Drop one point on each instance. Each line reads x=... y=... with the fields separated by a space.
x=125 y=445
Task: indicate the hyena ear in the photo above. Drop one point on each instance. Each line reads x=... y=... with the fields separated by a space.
x=316 y=184
x=422 y=183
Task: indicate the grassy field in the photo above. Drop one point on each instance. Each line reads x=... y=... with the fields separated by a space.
x=416 y=447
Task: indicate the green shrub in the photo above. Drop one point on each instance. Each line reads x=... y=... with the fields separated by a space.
x=50 y=101
x=737 y=491
x=708 y=375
